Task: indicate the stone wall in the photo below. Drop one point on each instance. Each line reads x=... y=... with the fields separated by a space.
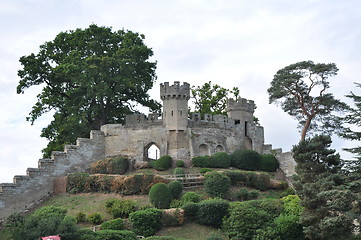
x=38 y=183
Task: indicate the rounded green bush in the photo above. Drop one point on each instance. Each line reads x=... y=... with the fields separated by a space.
x=253 y=194
x=211 y=212
x=201 y=161
x=220 y=160
x=163 y=163
x=179 y=172
x=242 y=194
x=269 y=163
x=246 y=159
x=179 y=163
x=176 y=189
x=160 y=195
x=216 y=184
x=146 y=222
x=121 y=208
x=115 y=224
x=191 y=197
x=116 y=234
x=95 y=218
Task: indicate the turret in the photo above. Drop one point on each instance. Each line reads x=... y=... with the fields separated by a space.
x=241 y=111
x=175 y=105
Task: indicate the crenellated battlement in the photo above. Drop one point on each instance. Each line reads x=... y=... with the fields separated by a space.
x=175 y=91
x=241 y=104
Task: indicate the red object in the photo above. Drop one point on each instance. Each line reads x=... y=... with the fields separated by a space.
x=57 y=237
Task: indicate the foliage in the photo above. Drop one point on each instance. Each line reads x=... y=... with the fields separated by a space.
x=173 y=217
x=220 y=160
x=121 y=208
x=211 y=212
x=83 y=182
x=118 y=165
x=260 y=181
x=163 y=163
x=81 y=217
x=115 y=224
x=205 y=170
x=146 y=222
x=179 y=172
x=216 y=184
x=179 y=163
x=14 y=220
x=242 y=194
x=245 y=218
x=201 y=161
x=95 y=218
x=246 y=159
x=176 y=189
x=215 y=236
x=301 y=89
x=211 y=99
x=160 y=195
x=191 y=197
x=269 y=163
x=45 y=221
x=116 y=235
x=320 y=183
x=190 y=209
x=90 y=77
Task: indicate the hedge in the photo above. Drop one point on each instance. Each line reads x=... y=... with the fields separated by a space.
x=246 y=159
x=191 y=197
x=115 y=224
x=125 y=185
x=260 y=181
x=211 y=212
x=176 y=189
x=117 y=165
x=121 y=208
x=216 y=184
x=146 y=222
x=269 y=163
x=116 y=235
x=217 y=160
x=163 y=163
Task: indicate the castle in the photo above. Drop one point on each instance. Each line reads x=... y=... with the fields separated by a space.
x=173 y=134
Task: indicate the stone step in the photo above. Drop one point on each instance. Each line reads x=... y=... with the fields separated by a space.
x=70 y=148
x=34 y=172
x=18 y=179
x=8 y=187
x=46 y=163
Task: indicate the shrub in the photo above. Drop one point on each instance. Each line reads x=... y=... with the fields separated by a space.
x=211 y=212
x=253 y=194
x=14 y=220
x=215 y=236
x=116 y=235
x=95 y=218
x=179 y=172
x=242 y=194
x=115 y=224
x=161 y=238
x=121 y=208
x=191 y=197
x=173 y=217
x=244 y=218
x=246 y=159
x=176 y=189
x=175 y=203
x=201 y=161
x=146 y=222
x=216 y=184
x=220 y=160
x=269 y=163
x=205 y=170
x=118 y=165
x=179 y=163
x=260 y=181
x=190 y=210
x=81 y=217
x=160 y=195
x=163 y=163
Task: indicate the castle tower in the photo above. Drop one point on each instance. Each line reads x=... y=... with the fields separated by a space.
x=175 y=105
x=241 y=111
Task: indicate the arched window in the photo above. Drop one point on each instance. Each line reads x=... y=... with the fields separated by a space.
x=203 y=150
x=219 y=148
x=152 y=151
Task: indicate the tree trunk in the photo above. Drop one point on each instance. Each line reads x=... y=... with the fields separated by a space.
x=305 y=128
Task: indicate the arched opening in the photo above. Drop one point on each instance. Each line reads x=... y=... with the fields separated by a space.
x=219 y=148
x=203 y=150
x=151 y=152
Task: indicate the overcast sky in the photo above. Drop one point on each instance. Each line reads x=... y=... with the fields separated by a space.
x=234 y=43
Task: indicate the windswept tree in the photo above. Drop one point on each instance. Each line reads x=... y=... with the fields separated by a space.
x=301 y=90
x=89 y=77
x=212 y=99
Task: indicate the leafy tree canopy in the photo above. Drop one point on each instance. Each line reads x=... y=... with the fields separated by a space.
x=212 y=99
x=301 y=90
x=90 y=77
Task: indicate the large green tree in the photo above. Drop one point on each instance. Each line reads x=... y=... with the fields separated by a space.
x=301 y=90
x=212 y=98
x=327 y=195
x=89 y=77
